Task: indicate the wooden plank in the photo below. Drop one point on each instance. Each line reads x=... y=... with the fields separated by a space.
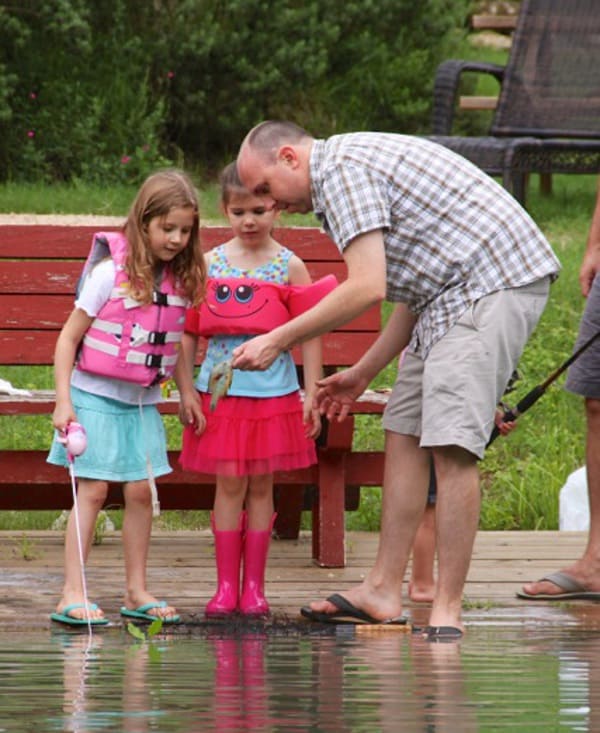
x=494 y=22
x=41 y=402
x=48 y=312
x=42 y=241
x=61 y=276
x=46 y=486
x=478 y=103
x=40 y=276
x=21 y=347
x=181 y=568
x=45 y=312
x=67 y=242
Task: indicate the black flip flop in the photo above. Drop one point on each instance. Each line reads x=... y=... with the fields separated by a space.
x=442 y=633
x=347 y=613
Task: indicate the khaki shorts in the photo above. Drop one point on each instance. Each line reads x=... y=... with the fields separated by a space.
x=450 y=398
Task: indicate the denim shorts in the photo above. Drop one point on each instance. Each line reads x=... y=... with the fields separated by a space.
x=583 y=376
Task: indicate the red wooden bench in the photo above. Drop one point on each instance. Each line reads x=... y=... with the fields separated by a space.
x=39 y=268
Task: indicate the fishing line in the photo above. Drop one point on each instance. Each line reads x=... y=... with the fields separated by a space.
x=75 y=443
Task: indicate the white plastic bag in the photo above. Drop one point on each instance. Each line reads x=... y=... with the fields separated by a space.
x=573 y=507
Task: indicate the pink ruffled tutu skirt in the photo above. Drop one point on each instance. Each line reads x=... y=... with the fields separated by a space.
x=247 y=436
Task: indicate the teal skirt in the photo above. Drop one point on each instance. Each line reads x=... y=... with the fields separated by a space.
x=121 y=438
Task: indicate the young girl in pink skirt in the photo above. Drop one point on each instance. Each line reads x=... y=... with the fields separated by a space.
x=261 y=425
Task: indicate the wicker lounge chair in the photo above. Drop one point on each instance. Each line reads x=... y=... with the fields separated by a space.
x=547 y=119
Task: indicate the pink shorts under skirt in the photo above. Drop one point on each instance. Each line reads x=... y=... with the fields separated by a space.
x=248 y=436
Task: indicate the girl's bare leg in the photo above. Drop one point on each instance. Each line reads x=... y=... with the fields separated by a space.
x=259 y=501
x=229 y=502
x=90 y=499
x=137 y=528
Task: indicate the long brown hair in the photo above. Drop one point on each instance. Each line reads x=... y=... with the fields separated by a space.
x=161 y=192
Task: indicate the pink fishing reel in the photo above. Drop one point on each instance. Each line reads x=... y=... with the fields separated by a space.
x=74 y=439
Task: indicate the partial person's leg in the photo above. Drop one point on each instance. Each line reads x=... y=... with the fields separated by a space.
x=259 y=501
x=421 y=587
x=465 y=374
x=457 y=518
x=592 y=553
x=90 y=499
x=406 y=478
x=137 y=528
x=230 y=495
x=583 y=576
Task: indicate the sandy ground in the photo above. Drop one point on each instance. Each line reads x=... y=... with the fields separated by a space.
x=77 y=220
x=60 y=219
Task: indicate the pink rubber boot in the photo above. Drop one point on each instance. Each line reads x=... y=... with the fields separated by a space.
x=256 y=549
x=228 y=552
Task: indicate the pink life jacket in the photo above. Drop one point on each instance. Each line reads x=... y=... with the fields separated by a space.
x=128 y=341
x=248 y=306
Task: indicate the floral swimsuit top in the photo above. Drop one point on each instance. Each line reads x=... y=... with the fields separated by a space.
x=281 y=377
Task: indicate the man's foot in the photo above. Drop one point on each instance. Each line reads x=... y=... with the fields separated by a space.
x=561 y=586
x=446 y=616
x=348 y=613
x=421 y=592
x=442 y=633
x=377 y=607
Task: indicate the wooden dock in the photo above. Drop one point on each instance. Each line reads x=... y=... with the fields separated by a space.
x=182 y=570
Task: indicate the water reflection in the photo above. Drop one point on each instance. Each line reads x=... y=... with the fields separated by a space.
x=514 y=679
x=80 y=662
x=241 y=689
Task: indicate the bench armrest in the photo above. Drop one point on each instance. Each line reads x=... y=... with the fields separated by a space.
x=445 y=89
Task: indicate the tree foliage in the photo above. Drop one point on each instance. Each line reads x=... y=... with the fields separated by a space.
x=109 y=89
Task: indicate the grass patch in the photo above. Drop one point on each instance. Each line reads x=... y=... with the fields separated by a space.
x=92 y=199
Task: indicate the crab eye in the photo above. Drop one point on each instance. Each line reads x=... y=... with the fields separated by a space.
x=243 y=293
x=223 y=293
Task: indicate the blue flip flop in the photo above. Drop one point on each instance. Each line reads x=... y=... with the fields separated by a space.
x=141 y=613
x=64 y=616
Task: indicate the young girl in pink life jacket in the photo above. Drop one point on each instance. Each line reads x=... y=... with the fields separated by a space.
x=261 y=425
x=120 y=341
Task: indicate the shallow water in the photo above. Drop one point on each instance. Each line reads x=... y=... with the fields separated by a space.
x=496 y=679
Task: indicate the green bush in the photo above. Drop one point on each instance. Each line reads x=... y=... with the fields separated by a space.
x=79 y=102
x=107 y=90
x=331 y=67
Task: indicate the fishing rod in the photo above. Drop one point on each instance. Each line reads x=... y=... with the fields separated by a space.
x=534 y=395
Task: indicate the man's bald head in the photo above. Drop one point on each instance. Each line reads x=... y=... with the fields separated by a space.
x=266 y=138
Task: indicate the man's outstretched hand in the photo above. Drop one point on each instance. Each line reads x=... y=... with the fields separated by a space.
x=336 y=393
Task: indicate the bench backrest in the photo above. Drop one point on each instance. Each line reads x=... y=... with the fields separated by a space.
x=40 y=266
x=551 y=84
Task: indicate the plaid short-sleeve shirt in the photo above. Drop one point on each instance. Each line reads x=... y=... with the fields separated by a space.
x=451 y=233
